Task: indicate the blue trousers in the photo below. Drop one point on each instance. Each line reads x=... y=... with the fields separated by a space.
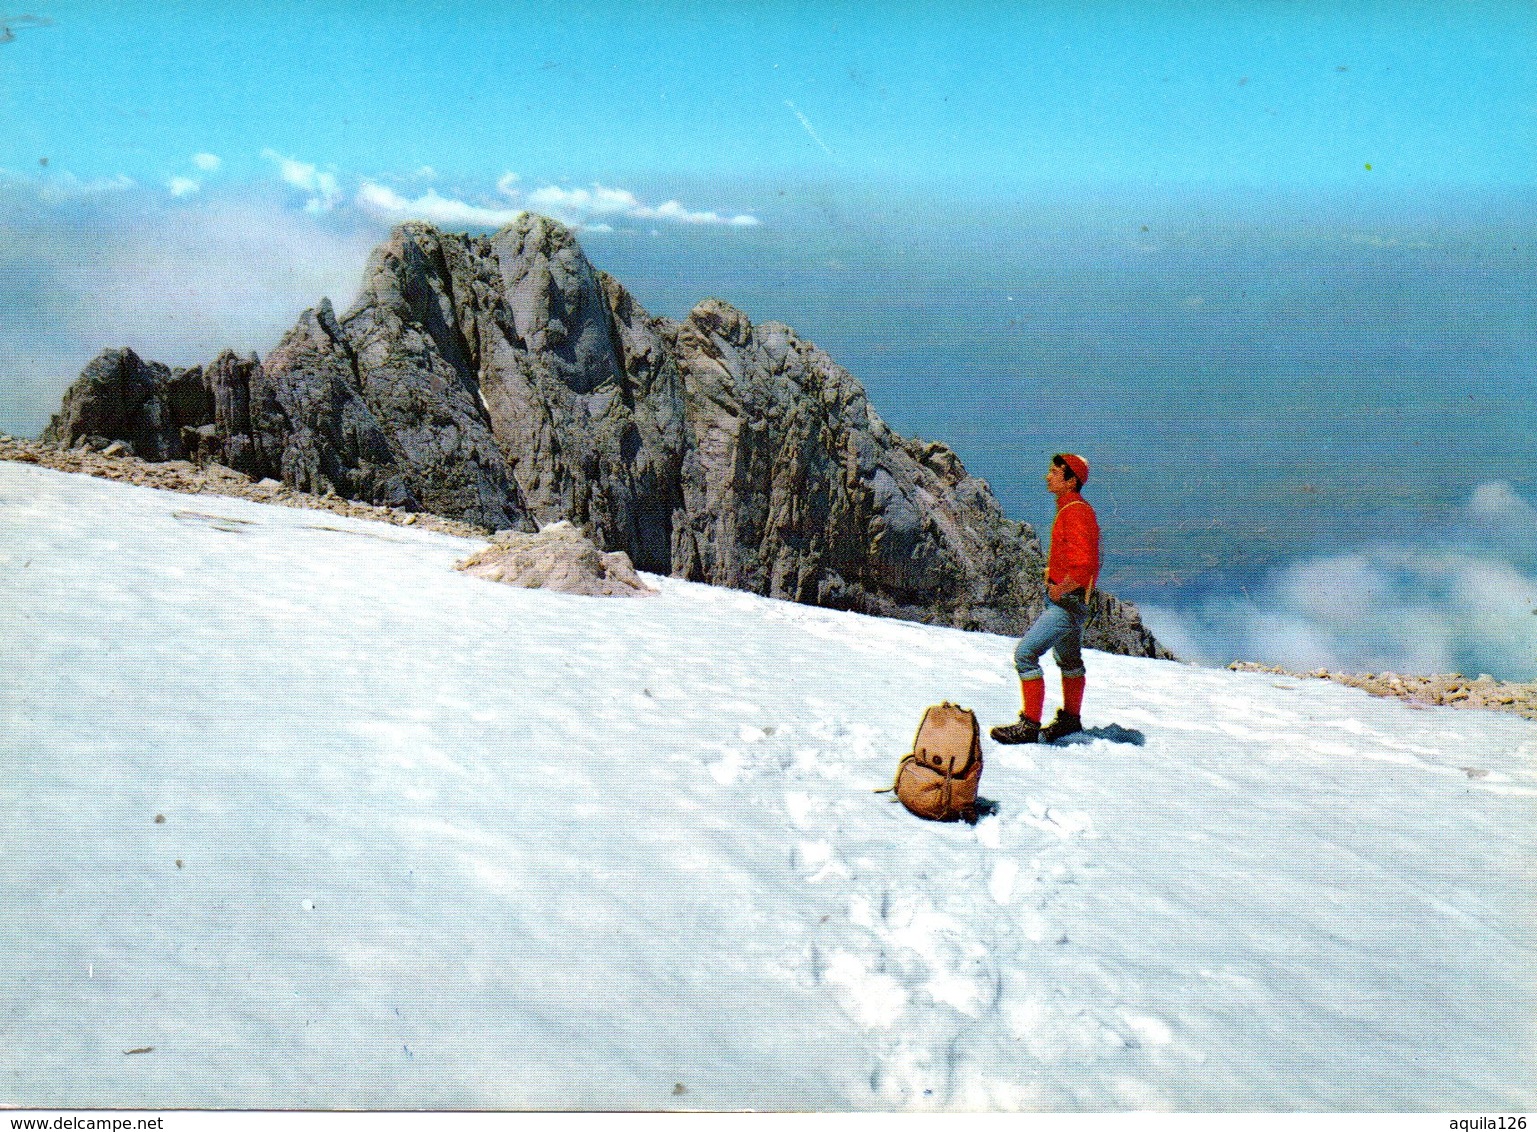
x=1060 y=629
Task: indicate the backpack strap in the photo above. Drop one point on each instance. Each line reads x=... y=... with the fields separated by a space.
x=965 y=769
x=907 y=758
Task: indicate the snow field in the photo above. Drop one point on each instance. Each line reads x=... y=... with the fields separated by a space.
x=429 y=841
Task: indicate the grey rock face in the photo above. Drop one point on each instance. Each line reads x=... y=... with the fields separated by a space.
x=229 y=437
x=312 y=423
x=122 y=397
x=1115 y=626
x=504 y=381
x=794 y=487
x=580 y=392
x=412 y=344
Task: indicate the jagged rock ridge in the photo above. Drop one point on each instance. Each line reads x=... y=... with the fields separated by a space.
x=505 y=381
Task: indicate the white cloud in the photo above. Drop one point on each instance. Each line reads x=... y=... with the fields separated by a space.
x=590 y=209
x=578 y=205
x=323 y=187
x=1498 y=498
x=226 y=269
x=67 y=187
x=1497 y=505
x=183 y=186
x=386 y=204
x=672 y=210
x=584 y=206
x=207 y=162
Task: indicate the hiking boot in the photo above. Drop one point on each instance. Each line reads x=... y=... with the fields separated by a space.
x=1024 y=731
x=1066 y=723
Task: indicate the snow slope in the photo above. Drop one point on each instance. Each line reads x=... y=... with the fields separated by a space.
x=429 y=841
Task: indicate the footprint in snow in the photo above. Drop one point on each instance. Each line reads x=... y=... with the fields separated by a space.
x=817 y=861
x=1062 y=823
x=1000 y=884
x=989 y=832
x=873 y=999
x=803 y=807
x=728 y=768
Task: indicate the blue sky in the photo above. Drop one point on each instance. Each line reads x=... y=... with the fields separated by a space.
x=974 y=98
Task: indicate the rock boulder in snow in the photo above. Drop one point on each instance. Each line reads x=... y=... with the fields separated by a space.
x=558 y=558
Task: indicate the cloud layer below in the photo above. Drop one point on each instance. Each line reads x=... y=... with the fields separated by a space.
x=1466 y=603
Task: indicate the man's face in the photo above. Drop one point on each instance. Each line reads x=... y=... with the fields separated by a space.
x=1055 y=480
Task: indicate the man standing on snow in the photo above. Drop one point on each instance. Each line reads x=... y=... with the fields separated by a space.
x=1072 y=566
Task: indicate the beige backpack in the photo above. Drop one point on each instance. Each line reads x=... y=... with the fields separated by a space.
x=938 y=780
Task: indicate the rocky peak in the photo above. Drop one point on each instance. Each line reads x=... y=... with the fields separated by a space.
x=505 y=381
x=721 y=319
x=556 y=301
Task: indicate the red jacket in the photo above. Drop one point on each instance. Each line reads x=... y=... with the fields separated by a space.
x=1074 y=554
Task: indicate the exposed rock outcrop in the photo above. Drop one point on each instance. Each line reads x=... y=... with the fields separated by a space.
x=110 y=459
x=558 y=558
x=505 y=382
x=1115 y=626
x=143 y=404
x=1451 y=689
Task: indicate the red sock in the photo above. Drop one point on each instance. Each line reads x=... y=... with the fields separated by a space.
x=1072 y=693
x=1034 y=693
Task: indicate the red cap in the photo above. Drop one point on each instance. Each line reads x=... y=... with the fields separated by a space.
x=1077 y=465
